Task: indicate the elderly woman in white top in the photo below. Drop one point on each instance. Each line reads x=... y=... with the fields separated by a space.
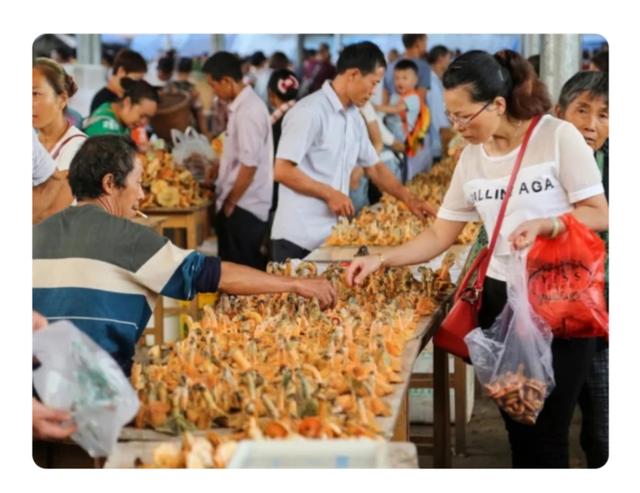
x=52 y=88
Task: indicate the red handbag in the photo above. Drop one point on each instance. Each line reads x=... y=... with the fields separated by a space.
x=467 y=300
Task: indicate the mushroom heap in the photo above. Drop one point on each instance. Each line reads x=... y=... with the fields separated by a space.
x=277 y=366
x=390 y=222
x=167 y=184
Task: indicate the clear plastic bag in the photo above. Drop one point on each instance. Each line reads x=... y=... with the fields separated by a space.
x=512 y=359
x=79 y=376
x=192 y=150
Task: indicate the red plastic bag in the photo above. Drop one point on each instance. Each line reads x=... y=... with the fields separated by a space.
x=566 y=279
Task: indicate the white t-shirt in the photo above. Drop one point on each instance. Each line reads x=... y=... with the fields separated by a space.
x=67 y=146
x=261 y=86
x=326 y=141
x=248 y=141
x=42 y=166
x=558 y=170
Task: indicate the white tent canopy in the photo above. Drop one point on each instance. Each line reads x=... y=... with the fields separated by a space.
x=151 y=46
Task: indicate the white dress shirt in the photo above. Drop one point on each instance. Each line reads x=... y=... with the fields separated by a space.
x=326 y=141
x=248 y=141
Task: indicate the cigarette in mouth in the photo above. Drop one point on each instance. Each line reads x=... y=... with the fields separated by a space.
x=141 y=214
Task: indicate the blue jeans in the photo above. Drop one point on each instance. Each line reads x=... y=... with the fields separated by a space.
x=360 y=196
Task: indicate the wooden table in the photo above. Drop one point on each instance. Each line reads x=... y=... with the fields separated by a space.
x=157 y=331
x=194 y=220
x=154 y=222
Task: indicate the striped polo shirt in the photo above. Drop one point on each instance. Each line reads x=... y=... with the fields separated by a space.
x=104 y=273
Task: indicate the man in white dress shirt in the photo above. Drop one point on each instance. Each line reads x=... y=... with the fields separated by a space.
x=323 y=138
x=244 y=184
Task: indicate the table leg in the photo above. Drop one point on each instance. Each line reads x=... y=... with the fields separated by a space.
x=460 y=393
x=401 y=431
x=441 y=416
x=192 y=232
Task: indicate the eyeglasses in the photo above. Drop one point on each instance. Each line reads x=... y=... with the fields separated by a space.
x=463 y=122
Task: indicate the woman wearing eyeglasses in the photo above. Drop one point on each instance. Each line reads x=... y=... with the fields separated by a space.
x=490 y=100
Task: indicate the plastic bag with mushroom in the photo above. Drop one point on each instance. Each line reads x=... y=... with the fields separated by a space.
x=512 y=359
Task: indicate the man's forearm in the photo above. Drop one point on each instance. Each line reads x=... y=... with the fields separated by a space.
x=240 y=279
x=291 y=177
x=375 y=136
x=244 y=179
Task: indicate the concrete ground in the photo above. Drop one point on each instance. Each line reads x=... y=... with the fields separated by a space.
x=487 y=441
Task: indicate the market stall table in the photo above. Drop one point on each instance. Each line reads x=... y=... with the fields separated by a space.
x=402 y=455
x=394 y=427
x=425 y=332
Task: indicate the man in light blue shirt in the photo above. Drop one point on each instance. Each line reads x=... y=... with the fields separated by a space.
x=323 y=138
x=439 y=59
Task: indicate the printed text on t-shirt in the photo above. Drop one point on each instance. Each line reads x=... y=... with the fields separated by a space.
x=535 y=186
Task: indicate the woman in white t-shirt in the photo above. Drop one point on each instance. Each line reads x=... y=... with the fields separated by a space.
x=52 y=88
x=491 y=101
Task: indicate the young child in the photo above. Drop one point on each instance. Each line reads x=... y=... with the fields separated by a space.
x=407 y=115
x=584 y=102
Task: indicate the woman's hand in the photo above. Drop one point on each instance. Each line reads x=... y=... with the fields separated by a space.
x=525 y=234
x=51 y=423
x=361 y=267
x=39 y=322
